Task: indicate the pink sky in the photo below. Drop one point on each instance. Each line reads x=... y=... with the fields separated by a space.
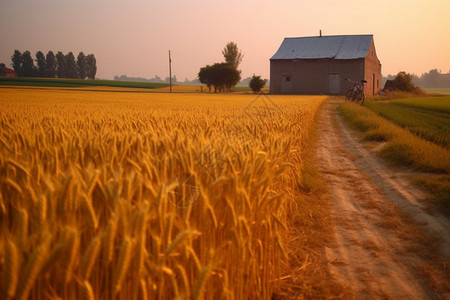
x=133 y=37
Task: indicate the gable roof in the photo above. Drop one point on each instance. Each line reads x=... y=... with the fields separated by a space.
x=7 y=71
x=319 y=47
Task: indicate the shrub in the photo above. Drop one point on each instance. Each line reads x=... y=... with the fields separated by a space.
x=256 y=83
x=403 y=82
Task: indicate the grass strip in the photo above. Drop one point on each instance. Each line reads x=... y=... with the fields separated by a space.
x=64 y=82
x=428 y=118
x=403 y=149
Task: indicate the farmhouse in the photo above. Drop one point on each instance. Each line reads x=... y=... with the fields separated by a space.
x=321 y=65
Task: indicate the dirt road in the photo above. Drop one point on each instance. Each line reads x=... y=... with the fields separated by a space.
x=386 y=245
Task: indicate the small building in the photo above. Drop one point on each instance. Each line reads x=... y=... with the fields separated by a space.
x=321 y=65
x=389 y=85
x=7 y=72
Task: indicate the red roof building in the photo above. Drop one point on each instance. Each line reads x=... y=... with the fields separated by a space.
x=7 y=72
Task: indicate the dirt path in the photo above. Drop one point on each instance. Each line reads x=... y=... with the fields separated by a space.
x=380 y=251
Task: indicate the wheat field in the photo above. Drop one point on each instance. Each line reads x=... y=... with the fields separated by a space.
x=114 y=195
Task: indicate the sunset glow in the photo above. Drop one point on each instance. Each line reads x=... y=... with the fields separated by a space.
x=133 y=37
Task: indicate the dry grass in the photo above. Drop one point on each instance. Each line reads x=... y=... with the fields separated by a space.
x=402 y=148
x=147 y=196
x=306 y=274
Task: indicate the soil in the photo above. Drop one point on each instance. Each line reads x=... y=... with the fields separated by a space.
x=387 y=245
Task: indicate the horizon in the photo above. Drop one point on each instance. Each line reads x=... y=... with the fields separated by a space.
x=134 y=38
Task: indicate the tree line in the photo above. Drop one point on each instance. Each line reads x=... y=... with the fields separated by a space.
x=52 y=66
x=432 y=79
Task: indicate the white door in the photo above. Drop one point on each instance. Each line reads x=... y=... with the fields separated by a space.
x=334 y=83
x=286 y=83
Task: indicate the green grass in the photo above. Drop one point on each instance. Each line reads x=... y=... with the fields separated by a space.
x=428 y=118
x=402 y=148
x=438 y=91
x=436 y=104
x=63 y=82
x=240 y=88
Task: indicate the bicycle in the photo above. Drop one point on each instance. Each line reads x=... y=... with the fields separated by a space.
x=356 y=93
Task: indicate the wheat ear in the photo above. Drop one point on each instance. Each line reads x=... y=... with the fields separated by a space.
x=122 y=264
x=89 y=257
x=10 y=269
x=108 y=245
x=32 y=269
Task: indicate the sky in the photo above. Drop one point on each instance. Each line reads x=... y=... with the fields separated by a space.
x=133 y=37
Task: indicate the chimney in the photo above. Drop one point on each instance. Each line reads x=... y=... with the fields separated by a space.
x=320 y=32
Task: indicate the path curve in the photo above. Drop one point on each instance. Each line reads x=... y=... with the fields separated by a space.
x=377 y=214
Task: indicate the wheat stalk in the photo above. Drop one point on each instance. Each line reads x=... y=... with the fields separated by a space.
x=88 y=294
x=72 y=245
x=122 y=265
x=10 y=269
x=109 y=237
x=32 y=269
x=89 y=257
x=22 y=224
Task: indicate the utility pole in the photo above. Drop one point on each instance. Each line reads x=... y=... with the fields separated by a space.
x=170 y=72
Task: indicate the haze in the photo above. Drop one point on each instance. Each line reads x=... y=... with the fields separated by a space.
x=133 y=37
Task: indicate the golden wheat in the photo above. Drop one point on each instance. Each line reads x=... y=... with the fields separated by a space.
x=123 y=262
x=10 y=269
x=89 y=258
x=32 y=269
x=147 y=196
x=88 y=294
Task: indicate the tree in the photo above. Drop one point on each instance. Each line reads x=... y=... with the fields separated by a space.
x=40 y=60
x=205 y=76
x=50 y=65
x=17 y=62
x=91 y=67
x=232 y=55
x=256 y=83
x=28 y=68
x=71 y=66
x=221 y=76
x=61 y=65
x=230 y=76
x=81 y=65
x=403 y=82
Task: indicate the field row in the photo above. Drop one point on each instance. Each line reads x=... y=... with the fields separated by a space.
x=73 y=83
x=428 y=118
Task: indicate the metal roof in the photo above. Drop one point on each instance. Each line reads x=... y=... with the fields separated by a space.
x=319 y=47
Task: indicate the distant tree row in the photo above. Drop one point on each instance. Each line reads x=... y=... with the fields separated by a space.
x=51 y=65
x=432 y=79
x=158 y=79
